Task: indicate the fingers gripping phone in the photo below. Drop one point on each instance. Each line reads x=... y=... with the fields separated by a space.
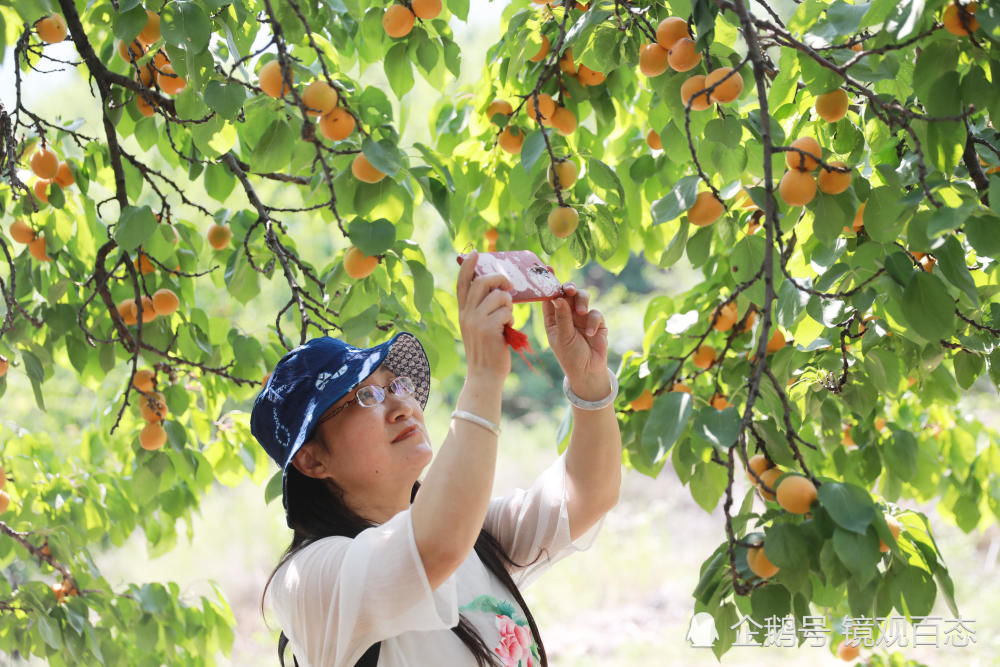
x=532 y=279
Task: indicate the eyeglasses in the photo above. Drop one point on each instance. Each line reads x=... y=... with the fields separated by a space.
x=371 y=395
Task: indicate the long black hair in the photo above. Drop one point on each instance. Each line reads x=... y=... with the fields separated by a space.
x=316 y=509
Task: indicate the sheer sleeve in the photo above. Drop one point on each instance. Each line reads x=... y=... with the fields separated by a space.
x=338 y=596
x=533 y=524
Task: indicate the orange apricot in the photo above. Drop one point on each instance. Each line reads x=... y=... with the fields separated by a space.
x=796 y=494
x=682 y=56
x=759 y=563
x=719 y=402
x=833 y=182
x=859 y=217
x=151 y=31
x=768 y=478
x=653 y=60
x=563 y=221
x=320 y=98
x=45 y=163
x=170 y=81
x=566 y=62
x=706 y=209
x=153 y=407
x=22 y=232
x=498 y=106
x=564 y=121
x=144 y=380
x=398 y=21
x=426 y=9
x=357 y=265
x=271 y=80
x=41 y=190
x=670 y=30
x=543 y=50
x=644 y=402
x=511 y=140
x=725 y=317
x=589 y=77
x=727 y=90
x=960 y=21
x=52 y=28
x=797 y=188
x=64 y=176
x=38 y=249
x=895 y=527
x=832 y=106
x=363 y=170
x=776 y=342
x=567 y=172
x=153 y=436
x=800 y=161
x=337 y=125
x=704 y=356
x=165 y=301
x=127 y=311
x=542 y=108
x=691 y=93
x=848 y=650
x=653 y=139
x=219 y=235
x=130 y=51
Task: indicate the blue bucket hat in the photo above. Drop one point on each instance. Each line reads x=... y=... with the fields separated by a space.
x=314 y=376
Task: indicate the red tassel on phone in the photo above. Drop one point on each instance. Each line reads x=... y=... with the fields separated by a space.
x=518 y=341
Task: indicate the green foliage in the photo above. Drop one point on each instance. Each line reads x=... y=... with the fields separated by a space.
x=890 y=315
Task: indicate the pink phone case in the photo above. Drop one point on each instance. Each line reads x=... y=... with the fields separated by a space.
x=532 y=279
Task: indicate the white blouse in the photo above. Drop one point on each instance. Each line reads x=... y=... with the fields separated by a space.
x=338 y=596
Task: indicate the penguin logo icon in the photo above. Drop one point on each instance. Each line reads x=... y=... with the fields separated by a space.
x=702 y=633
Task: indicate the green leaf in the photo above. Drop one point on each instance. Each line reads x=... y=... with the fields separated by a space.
x=399 y=69
x=226 y=99
x=858 y=552
x=916 y=587
x=273 y=489
x=274 y=149
x=927 y=307
x=372 y=238
x=883 y=216
x=423 y=285
x=219 y=181
x=667 y=420
x=951 y=258
x=900 y=454
x=850 y=506
x=241 y=279
x=384 y=155
x=534 y=146
x=135 y=225
x=788 y=546
x=50 y=630
x=968 y=367
x=127 y=25
x=983 y=232
x=186 y=25
x=707 y=485
x=719 y=427
x=680 y=199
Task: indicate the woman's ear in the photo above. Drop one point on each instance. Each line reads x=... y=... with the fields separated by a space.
x=309 y=462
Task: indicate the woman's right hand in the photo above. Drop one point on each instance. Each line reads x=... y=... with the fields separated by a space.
x=484 y=307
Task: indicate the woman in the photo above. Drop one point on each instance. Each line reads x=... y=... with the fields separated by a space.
x=383 y=568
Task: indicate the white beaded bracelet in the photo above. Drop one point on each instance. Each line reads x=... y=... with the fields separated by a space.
x=476 y=419
x=592 y=405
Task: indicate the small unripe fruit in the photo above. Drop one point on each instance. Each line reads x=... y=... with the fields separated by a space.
x=563 y=221
x=52 y=29
x=219 y=235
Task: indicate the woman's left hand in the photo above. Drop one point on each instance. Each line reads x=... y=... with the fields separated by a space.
x=578 y=336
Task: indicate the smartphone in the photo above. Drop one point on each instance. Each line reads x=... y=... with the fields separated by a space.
x=533 y=280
